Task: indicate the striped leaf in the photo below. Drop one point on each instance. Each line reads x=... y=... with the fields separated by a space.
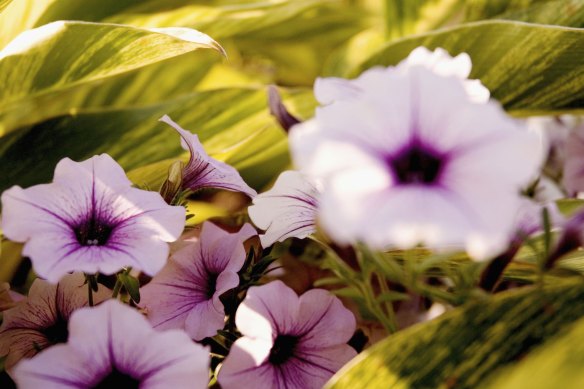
x=464 y=347
x=529 y=68
x=42 y=70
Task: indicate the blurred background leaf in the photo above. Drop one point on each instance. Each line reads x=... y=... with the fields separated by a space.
x=464 y=347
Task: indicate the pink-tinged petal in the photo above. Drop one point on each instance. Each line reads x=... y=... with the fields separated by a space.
x=573 y=178
x=41 y=320
x=60 y=367
x=185 y=294
x=287 y=210
x=241 y=371
x=205 y=319
x=323 y=321
x=116 y=337
x=202 y=171
x=268 y=310
x=312 y=369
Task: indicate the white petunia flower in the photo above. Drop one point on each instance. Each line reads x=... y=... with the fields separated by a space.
x=412 y=158
x=287 y=210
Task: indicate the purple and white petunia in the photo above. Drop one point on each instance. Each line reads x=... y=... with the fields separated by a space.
x=402 y=165
x=288 y=341
x=41 y=320
x=287 y=210
x=185 y=294
x=114 y=346
x=90 y=219
x=331 y=89
x=202 y=171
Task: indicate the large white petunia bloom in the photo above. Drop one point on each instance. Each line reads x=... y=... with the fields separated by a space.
x=408 y=155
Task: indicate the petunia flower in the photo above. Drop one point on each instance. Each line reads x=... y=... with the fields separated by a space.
x=185 y=294
x=113 y=346
x=41 y=320
x=573 y=179
x=90 y=219
x=288 y=341
x=330 y=89
x=411 y=159
x=202 y=171
x=287 y=210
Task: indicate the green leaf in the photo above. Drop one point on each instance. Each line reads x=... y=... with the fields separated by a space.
x=132 y=286
x=465 y=346
x=227 y=121
x=569 y=206
x=476 y=10
x=4 y=4
x=557 y=364
x=529 y=68
x=43 y=68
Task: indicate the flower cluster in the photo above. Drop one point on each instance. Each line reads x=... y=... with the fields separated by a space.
x=397 y=163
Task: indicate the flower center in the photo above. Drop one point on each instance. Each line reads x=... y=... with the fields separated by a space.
x=417 y=165
x=117 y=379
x=211 y=284
x=93 y=232
x=57 y=333
x=282 y=349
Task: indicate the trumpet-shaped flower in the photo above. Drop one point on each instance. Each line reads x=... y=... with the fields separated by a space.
x=410 y=158
x=113 y=346
x=185 y=294
x=288 y=341
x=41 y=320
x=90 y=219
x=287 y=210
x=202 y=171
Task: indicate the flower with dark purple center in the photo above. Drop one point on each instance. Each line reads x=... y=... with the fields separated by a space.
x=114 y=346
x=41 y=320
x=90 y=219
x=288 y=342
x=415 y=154
x=185 y=294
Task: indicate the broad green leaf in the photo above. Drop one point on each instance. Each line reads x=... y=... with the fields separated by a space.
x=569 y=13
x=227 y=121
x=4 y=4
x=557 y=364
x=416 y=16
x=465 y=346
x=42 y=68
x=21 y=15
x=529 y=68
x=569 y=206
x=476 y=10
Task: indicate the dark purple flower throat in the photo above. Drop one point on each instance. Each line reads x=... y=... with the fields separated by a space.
x=282 y=349
x=416 y=164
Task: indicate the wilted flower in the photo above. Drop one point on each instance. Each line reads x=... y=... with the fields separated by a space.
x=288 y=341
x=90 y=219
x=185 y=294
x=202 y=171
x=410 y=158
x=113 y=346
x=287 y=210
x=41 y=320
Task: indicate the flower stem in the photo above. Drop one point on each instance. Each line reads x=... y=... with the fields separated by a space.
x=89 y=294
x=117 y=288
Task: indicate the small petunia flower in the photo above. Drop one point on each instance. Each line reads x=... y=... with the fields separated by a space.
x=114 y=346
x=287 y=210
x=331 y=89
x=41 y=320
x=202 y=171
x=185 y=294
x=411 y=159
x=90 y=219
x=288 y=341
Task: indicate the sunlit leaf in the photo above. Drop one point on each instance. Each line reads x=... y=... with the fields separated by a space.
x=465 y=346
x=42 y=68
x=528 y=68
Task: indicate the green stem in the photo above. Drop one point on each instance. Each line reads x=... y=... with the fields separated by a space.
x=89 y=293
x=117 y=288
